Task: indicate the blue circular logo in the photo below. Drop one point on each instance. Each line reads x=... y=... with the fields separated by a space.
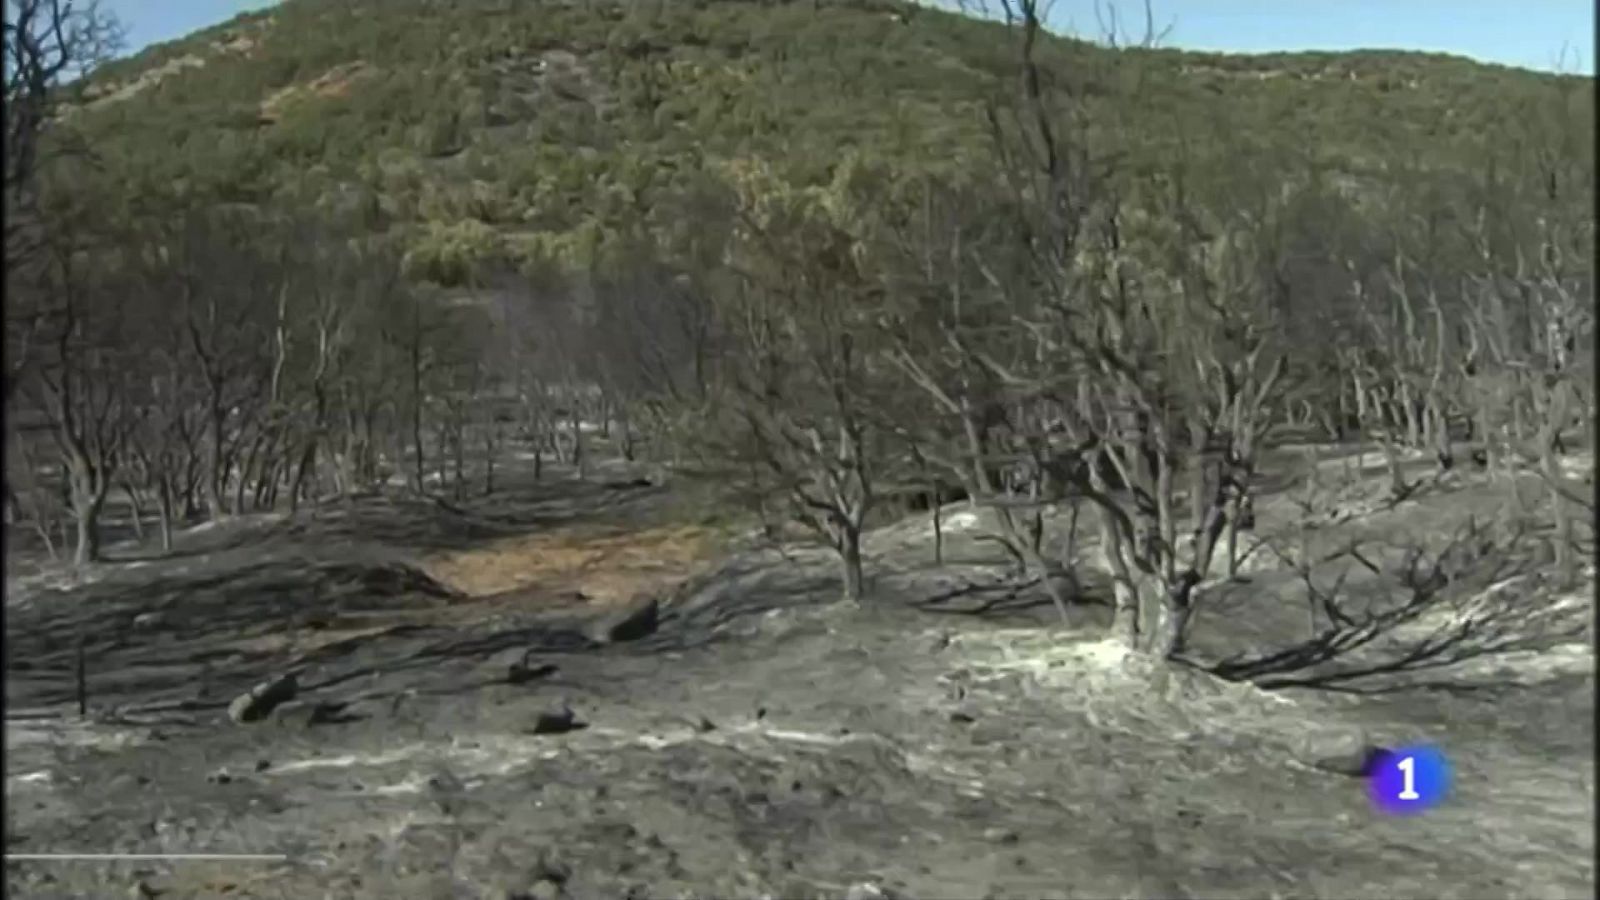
x=1409 y=780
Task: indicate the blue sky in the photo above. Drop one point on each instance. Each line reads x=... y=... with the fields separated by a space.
x=152 y=21
x=1529 y=33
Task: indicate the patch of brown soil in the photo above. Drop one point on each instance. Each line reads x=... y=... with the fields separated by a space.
x=113 y=93
x=239 y=43
x=336 y=82
x=606 y=567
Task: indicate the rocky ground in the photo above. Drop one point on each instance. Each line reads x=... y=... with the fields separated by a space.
x=758 y=738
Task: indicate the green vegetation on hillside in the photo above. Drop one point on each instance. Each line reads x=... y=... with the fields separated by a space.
x=545 y=121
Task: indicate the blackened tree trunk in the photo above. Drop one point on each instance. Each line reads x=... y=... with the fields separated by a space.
x=164 y=506
x=89 y=486
x=851 y=571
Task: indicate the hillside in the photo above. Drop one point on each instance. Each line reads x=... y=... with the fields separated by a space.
x=843 y=450
x=493 y=129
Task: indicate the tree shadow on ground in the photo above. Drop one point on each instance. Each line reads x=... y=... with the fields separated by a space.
x=217 y=600
x=985 y=599
x=1484 y=595
x=701 y=610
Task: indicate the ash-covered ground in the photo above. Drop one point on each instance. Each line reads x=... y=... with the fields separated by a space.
x=951 y=739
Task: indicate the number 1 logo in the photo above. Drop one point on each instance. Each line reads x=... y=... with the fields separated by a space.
x=1409 y=781
x=1408 y=786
